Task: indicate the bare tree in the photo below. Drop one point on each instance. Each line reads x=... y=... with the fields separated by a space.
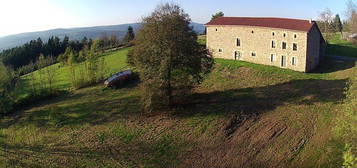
x=351 y=14
x=351 y=9
x=326 y=18
x=50 y=72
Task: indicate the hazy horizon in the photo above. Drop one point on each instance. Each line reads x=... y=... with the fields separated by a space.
x=42 y=15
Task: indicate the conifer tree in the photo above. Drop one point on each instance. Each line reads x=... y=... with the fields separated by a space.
x=337 y=24
x=217 y=15
x=130 y=35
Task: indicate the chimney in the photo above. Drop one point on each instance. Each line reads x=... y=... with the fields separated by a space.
x=310 y=20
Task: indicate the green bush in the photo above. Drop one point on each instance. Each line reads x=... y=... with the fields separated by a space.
x=346 y=128
x=6 y=105
x=7 y=87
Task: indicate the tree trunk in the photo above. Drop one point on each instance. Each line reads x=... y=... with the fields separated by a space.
x=169 y=87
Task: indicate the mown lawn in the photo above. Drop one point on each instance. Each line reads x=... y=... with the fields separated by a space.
x=280 y=118
x=339 y=47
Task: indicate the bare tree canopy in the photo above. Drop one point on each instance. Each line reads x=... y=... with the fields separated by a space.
x=326 y=16
x=351 y=9
x=351 y=14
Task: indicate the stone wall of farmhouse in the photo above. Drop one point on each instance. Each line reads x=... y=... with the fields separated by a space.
x=313 y=49
x=222 y=42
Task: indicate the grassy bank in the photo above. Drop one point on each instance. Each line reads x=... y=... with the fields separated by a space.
x=338 y=46
x=243 y=115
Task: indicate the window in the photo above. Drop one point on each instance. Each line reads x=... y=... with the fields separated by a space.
x=283 y=45
x=254 y=54
x=295 y=46
x=273 y=45
x=284 y=34
x=238 y=42
x=293 y=61
x=220 y=50
x=283 y=61
x=252 y=31
x=272 y=58
x=273 y=33
x=295 y=36
x=216 y=29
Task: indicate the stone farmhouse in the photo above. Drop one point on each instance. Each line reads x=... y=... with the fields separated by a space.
x=286 y=43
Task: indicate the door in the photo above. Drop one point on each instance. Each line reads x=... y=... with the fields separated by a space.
x=283 y=61
x=237 y=55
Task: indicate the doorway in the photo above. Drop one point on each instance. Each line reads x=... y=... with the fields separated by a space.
x=237 y=55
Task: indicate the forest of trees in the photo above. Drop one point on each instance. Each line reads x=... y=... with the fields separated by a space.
x=82 y=57
x=24 y=58
x=30 y=52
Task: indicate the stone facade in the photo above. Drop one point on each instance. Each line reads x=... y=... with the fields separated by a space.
x=255 y=44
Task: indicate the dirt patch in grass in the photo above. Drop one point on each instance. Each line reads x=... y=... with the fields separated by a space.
x=258 y=142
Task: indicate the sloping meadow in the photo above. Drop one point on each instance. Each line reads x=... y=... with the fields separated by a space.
x=243 y=115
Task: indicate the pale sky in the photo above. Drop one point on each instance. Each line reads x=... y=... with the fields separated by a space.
x=17 y=16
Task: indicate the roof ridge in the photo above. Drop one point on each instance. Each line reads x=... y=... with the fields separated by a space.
x=272 y=22
x=264 y=17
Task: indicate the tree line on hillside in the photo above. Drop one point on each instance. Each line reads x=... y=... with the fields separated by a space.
x=24 y=58
x=82 y=57
x=30 y=52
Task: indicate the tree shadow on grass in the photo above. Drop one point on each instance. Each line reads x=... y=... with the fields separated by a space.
x=95 y=106
x=161 y=152
x=342 y=50
x=87 y=112
x=329 y=65
x=250 y=101
x=255 y=101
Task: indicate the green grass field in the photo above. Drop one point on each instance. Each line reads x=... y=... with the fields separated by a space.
x=115 y=61
x=202 y=39
x=282 y=118
x=338 y=46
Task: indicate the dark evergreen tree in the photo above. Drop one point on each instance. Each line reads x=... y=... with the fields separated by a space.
x=64 y=43
x=337 y=24
x=217 y=15
x=130 y=35
x=84 y=41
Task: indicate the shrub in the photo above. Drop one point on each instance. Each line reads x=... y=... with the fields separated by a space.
x=89 y=72
x=346 y=128
x=7 y=87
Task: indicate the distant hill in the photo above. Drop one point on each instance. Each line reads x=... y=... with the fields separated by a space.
x=75 y=34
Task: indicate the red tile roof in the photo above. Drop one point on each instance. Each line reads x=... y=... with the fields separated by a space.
x=281 y=23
